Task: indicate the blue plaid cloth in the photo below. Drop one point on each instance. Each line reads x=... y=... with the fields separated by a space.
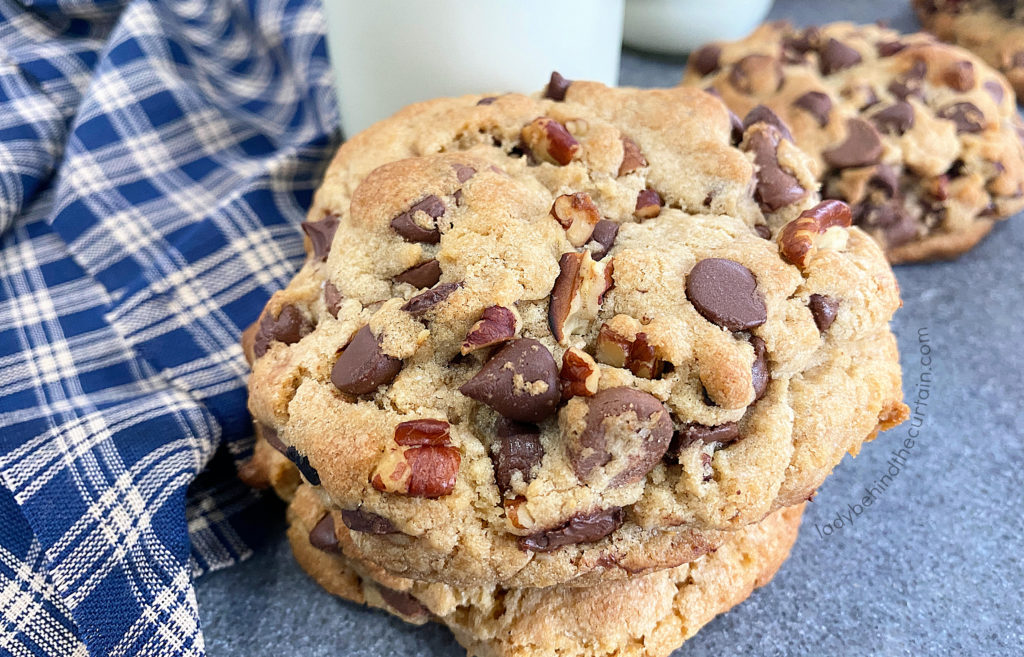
x=155 y=158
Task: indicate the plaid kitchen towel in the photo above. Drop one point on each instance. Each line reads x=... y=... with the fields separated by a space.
x=155 y=158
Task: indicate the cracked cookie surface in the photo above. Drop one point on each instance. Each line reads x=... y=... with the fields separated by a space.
x=921 y=138
x=646 y=616
x=539 y=341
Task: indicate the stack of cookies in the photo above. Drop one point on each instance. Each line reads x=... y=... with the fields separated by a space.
x=560 y=371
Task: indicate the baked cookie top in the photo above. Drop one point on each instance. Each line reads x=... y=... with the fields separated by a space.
x=992 y=30
x=919 y=137
x=648 y=616
x=534 y=333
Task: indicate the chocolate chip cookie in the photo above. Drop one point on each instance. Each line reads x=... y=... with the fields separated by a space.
x=571 y=336
x=648 y=616
x=922 y=139
x=992 y=29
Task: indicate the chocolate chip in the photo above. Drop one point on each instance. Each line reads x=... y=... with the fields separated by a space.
x=892 y=218
x=759 y=374
x=302 y=463
x=796 y=47
x=581 y=528
x=648 y=204
x=895 y=119
x=725 y=293
x=487 y=100
x=775 y=187
x=735 y=129
x=1017 y=61
x=322 y=536
x=754 y=67
x=959 y=76
x=889 y=48
x=406 y=226
x=518 y=450
x=995 y=90
x=818 y=104
x=289 y=327
x=626 y=433
x=402 y=602
x=332 y=298
x=520 y=382
x=764 y=114
x=910 y=82
x=823 y=309
x=863 y=146
x=363 y=366
x=763 y=231
x=691 y=434
x=463 y=172
x=269 y=434
x=424 y=301
x=604 y=235
x=426 y=274
x=705 y=60
x=321 y=234
x=557 y=86
x=836 y=56
x=885 y=180
x=367 y=522
x=967 y=117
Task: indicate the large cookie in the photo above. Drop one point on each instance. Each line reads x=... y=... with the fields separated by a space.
x=992 y=29
x=647 y=616
x=547 y=339
x=919 y=137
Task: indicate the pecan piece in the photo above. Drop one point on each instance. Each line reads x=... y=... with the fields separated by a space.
x=579 y=375
x=578 y=215
x=799 y=239
x=648 y=204
x=549 y=141
x=578 y=292
x=498 y=324
x=421 y=464
x=632 y=157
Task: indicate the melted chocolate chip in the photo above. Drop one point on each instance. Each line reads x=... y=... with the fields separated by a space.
x=818 y=104
x=910 y=82
x=321 y=234
x=885 y=180
x=967 y=117
x=705 y=60
x=725 y=293
x=763 y=231
x=332 y=298
x=363 y=366
x=487 y=100
x=424 y=301
x=775 y=187
x=895 y=119
x=557 y=86
x=518 y=450
x=402 y=602
x=520 y=382
x=836 y=56
x=463 y=172
x=862 y=147
x=604 y=235
x=691 y=434
x=890 y=48
x=322 y=536
x=406 y=226
x=764 y=114
x=823 y=309
x=959 y=76
x=995 y=90
x=269 y=434
x=302 y=463
x=367 y=522
x=581 y=528
x=289 y=327
x=759 y=374
x=626 y=433
x=426 y=274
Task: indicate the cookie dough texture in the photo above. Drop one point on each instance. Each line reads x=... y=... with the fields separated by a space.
x=921 y=138
x=496 y=362
x=992 y=30
x=648 y=616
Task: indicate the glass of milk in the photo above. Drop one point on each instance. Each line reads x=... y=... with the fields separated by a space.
x=389 y=53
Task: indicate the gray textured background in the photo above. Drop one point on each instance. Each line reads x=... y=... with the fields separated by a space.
x=935 y=567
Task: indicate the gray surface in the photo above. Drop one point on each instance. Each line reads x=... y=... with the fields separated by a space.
x=934 y=567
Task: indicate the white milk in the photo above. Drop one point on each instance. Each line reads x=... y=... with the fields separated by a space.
x=389 y=53
x=679 y=26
